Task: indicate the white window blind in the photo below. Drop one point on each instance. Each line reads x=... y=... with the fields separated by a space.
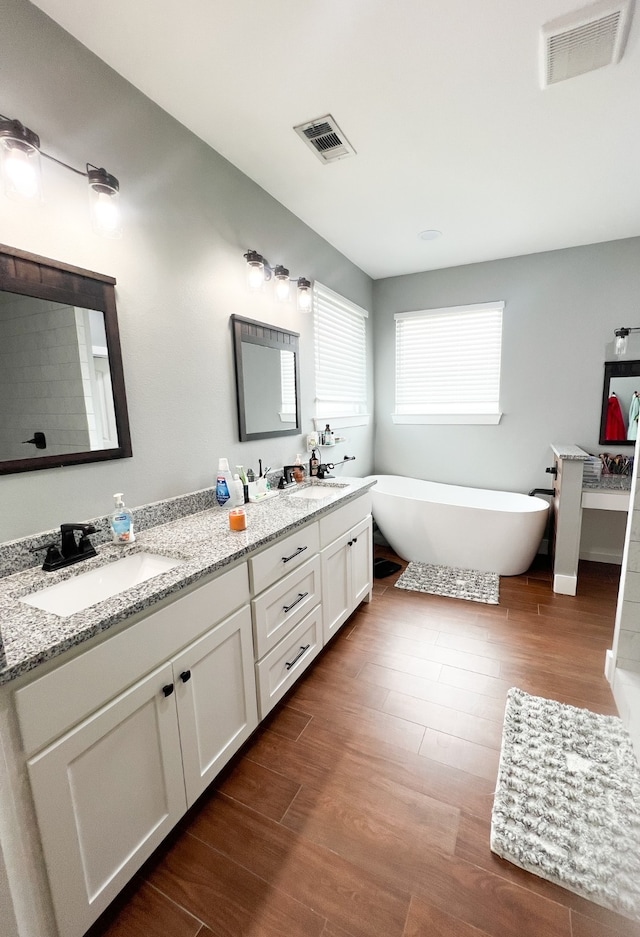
x=448 y=364
x=340 y=355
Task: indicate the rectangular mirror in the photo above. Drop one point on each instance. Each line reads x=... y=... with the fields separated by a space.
x=620 y=403
x=267 y=380
x=62 y=395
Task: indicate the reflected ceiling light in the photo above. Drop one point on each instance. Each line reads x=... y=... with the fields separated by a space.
x=260 y=271
x=431 y=234
x=622 y=340
x=20 y=154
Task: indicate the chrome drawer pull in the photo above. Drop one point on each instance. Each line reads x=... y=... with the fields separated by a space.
x=285 y=559
x=301 y=596
x=295 y=660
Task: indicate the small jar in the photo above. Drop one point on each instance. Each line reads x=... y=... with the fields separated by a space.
x=237 y=519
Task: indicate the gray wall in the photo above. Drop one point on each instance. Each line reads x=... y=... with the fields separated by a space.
x=561 y=310
x=188 y=217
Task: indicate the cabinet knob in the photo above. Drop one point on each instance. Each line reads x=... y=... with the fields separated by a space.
x=185 y=675
x=355 y=540
x=168 y=689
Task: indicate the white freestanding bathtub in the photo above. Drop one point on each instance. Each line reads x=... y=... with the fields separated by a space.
x=468 y=528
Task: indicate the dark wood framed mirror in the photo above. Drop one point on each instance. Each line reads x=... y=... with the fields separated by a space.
x=620 y=403
x=62 y=393
x=267 y=379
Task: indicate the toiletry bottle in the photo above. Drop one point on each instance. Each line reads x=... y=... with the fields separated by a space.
x=314 y=462
x=223 y=484
x=121 y=522
x=328 y=438
x=298 y=469
x=238 y=492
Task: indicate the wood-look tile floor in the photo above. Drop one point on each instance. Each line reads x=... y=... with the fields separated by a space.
x=362 y=807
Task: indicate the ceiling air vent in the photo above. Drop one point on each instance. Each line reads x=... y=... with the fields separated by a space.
x=325 y=139
x=584 y=40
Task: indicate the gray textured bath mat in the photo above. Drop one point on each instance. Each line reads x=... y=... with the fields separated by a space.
x=567 y=803
x=451 y=582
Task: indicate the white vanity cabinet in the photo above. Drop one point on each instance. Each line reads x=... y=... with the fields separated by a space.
x=109 y=789
x=121 y=738
x=347 y=575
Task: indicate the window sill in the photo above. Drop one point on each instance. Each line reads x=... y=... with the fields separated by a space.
x=446 y=418
x=340 y=422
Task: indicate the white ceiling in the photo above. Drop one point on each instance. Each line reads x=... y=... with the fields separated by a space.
x=440 y=98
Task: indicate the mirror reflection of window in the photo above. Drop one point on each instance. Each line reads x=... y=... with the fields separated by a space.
x=288 y=387
x=262 y=388
x=51 y=380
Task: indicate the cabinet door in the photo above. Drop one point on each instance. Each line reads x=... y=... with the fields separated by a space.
x=361 y=553
x=106 y=794
x=216 y=696
x=336 y=585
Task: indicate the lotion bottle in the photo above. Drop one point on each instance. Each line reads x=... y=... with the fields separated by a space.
x=121 y=521
x=238 y=492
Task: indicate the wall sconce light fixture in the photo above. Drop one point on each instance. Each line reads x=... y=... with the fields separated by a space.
x=20 y=157
x=260 y=271
x=622 y=340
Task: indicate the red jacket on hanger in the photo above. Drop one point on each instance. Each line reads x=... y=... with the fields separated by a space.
x=615 y=427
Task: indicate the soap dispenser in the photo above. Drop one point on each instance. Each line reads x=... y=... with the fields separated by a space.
x=298 y=469
x=121 y=521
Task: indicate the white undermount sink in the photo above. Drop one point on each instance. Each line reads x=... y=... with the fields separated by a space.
x=316 y=491
x=75 y=594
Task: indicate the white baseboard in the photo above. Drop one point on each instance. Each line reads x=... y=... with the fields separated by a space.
x=609 y=666
x=565 y=585
x=596 y=557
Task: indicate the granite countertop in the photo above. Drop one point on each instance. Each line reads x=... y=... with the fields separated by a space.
x=569 y=451
x=202 y=542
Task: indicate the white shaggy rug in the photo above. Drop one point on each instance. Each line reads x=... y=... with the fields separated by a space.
x=451 y=582
x=567 y=803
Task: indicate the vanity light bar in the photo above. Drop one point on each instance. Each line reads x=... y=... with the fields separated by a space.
x=20 y=155
x=260 y=271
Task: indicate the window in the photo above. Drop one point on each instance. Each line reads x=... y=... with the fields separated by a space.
x=448 y=364
x=341 y=359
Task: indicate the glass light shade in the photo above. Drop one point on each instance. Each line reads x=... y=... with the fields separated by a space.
x=255 y=274
x=21 y=169
x=105 y=214
x=304 y=295
x=281 y=276
x=103 y=202
x=621 y=342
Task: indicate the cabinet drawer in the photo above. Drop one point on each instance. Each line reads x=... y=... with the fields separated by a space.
x=267 y=567
x=282 y=666
x=344 y=518
x=278 y=609
x=58 y=700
